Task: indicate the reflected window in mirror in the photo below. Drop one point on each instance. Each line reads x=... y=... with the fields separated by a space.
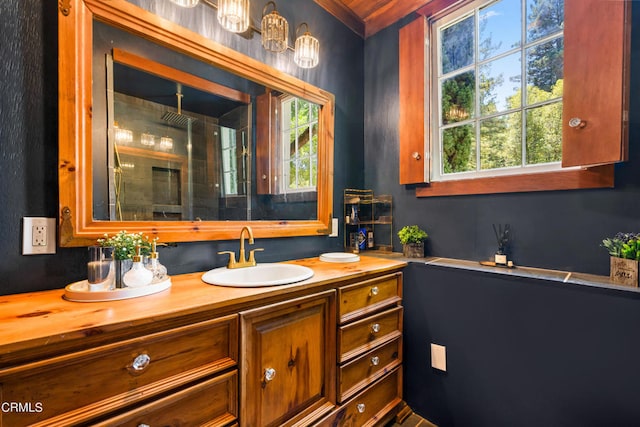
x=287 y=156
x=229 y=161
x=300 y=152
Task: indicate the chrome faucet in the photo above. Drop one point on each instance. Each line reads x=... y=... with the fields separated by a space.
x=242 y=260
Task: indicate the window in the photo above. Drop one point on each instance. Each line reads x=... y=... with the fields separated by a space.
x=498 y=89
x=299 y=145
x=229 y=160
x=475 y=82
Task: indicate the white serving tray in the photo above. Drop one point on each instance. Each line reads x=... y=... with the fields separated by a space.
x=79 y=292
x=339 y=257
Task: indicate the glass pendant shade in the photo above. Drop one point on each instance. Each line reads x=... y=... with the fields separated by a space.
x=147 y=139
x=166 y=142
x=307 y=50
x=123 y=135
x=233 y=15
x=275 y=30
x=186 y=3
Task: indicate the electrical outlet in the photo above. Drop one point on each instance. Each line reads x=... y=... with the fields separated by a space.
x=38 y=236
x=439 y=357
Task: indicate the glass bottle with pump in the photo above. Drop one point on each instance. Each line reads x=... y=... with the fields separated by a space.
x=158 y=270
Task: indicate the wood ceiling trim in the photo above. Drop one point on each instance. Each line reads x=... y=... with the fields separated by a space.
x=386 y=12
x=391 y=12
x=344 y=14
x=437 y=6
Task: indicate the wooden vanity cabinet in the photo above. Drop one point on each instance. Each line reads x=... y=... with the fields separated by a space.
x=85 y=386
x=288 y=368
x=326 y=351
x=369 y=344
x=212 y=402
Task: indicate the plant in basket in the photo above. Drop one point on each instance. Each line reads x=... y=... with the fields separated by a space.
x=624 y=249
x=412 y=238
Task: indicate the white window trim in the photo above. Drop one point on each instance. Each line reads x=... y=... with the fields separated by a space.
x=284 y=135
x=435 y=157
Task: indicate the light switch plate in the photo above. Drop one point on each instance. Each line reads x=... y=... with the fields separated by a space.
x=334 y=227
x=38 y=236
x=439 y=357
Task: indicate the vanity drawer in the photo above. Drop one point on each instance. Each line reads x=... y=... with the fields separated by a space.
x=371 y=407
x=366 y=369
x=363 y=335
x=89 y=383
x=212 y=402
x=364 y=298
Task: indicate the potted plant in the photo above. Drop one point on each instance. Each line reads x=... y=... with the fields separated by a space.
x=412 y=238
x=124 y=248
x=624 y=249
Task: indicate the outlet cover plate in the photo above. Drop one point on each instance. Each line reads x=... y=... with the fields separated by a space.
x=38 y=235
x=439 y=357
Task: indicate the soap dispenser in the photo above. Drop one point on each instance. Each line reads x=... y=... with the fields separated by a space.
x=158 y=270
x=138 y=275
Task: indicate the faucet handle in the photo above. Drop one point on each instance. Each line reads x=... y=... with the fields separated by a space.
x=232 y=258
x=252 y=257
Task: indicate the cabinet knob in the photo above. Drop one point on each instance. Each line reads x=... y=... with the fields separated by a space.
x=375 y=361
x=374 y=291
x=141 y=362
x=416 y=155
x=375 y=328
x=360 y=407
x=577 y=123
x=269 y=374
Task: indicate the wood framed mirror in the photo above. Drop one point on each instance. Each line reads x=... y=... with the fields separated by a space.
x=80 y=167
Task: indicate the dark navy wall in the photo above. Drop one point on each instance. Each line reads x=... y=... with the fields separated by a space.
x=520 y=352
x=557 y=230
x=29 y=139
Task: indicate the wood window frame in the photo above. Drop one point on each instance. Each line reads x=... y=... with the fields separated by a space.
x=269 y=156
x=600 y=28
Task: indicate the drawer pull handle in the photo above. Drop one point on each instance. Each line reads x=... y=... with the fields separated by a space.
x=143 y=425
x=141 y=362
x=375 y=328
x=375 y=361
x=374 y=291
x=360 y=407
x=269 y=374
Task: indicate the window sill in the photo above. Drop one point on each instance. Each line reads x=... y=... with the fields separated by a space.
x=594 y=177
x=565 y=277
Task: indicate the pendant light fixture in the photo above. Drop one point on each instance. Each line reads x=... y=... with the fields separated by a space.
x=307 y=49
x=166 y=142
x=275 y=30
x=233 y=15
x=123 y=136
x=186 y=3
x=147 y=139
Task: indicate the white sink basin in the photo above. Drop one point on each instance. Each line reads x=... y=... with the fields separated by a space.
x=268 y=274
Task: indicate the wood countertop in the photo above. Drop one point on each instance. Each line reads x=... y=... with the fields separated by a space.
x=36 y=324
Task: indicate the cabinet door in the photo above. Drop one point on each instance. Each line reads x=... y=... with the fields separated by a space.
x=288 y=359
x=596 y=32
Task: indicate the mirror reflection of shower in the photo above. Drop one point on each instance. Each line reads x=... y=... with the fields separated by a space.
x=175 y=153
x=185 y=121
